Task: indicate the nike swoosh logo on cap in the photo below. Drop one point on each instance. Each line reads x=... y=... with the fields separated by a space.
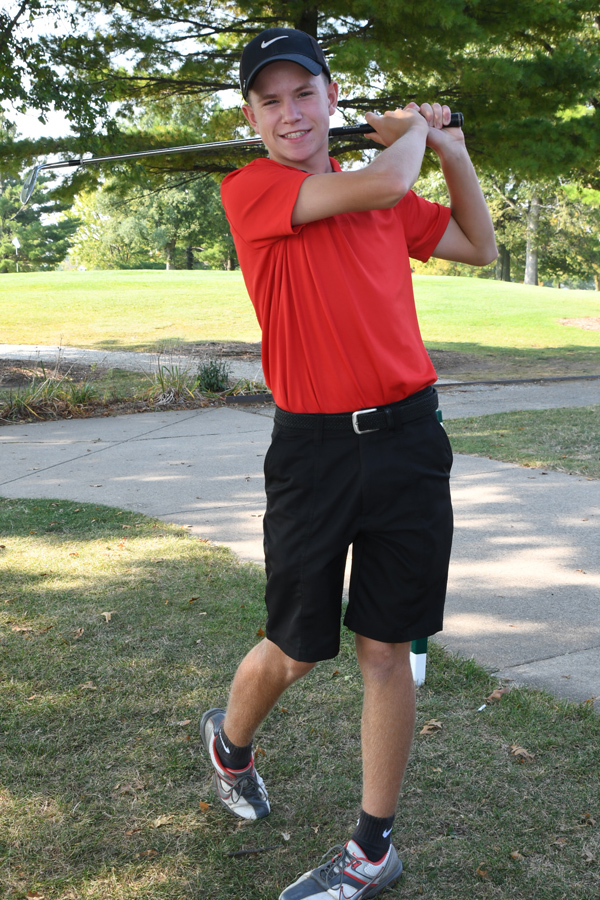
x=272 y=41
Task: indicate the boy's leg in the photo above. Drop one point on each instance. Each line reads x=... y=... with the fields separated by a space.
x=261 y=678
x=387 y=728
x=388 y=721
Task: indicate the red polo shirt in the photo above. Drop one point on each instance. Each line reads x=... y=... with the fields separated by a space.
x=334 y=298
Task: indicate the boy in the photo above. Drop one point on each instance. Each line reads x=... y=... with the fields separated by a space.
x=357 y=456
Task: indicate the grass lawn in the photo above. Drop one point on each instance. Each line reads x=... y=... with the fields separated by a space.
x=117 y=631
x=126 y=310
x=511 y=324
x=564 y=440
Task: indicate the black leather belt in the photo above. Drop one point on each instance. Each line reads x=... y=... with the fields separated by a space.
x=364 y=421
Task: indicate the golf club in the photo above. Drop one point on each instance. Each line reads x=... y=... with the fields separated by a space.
x=456 y=121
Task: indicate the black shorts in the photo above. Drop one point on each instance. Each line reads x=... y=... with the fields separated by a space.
x=384 y=492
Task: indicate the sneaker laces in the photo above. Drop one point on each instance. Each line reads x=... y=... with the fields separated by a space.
x=336 y=866
x=247 y=786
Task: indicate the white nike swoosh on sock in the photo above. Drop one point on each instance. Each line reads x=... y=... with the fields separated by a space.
x=387 y=833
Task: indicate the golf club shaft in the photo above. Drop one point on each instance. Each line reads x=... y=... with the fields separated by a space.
x=343 y=131
x=456 y=121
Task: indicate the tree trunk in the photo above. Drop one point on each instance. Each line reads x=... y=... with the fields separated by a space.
x=531 y=253
x=189 y=258
x=170 y=255
x=503 y=264
x=597 y=281
x=308 y=20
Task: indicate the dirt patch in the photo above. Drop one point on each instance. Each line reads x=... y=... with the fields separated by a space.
x=236 y=349
x=588 y=323
x=16 y=373
x=19 y=375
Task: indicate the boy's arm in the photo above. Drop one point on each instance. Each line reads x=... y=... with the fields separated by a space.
x=380 y=184
x=469 y=236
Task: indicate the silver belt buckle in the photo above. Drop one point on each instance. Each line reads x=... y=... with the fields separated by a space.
x=355 y=416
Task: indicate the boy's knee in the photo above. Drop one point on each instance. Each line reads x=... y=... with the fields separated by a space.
x=292 y=669
x=379 y=660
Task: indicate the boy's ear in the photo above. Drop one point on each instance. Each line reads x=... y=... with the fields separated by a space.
x=249 y=114
x=332 y=96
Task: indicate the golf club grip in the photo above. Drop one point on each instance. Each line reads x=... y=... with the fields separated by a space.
x=457 y=120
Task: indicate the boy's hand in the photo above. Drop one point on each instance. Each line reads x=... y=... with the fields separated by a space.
x=438 y=120
x=392 y=125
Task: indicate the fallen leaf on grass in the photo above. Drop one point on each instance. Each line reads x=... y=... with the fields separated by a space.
x=516 y=855
x=496 y=695
x=130 y=789
x=132 y=831
x=259 y=752
x=587 y=855
x=21 y=629
x=149 y=853
x=183 y=722
x=77 y=633
x=88 y=686
x=107 y=616
x=431 y=727
x=260 y=632
x=587 y=819
x=161 y=821
x=204 y=806
x=483 y=873
x=521 y=753
x=285 y=835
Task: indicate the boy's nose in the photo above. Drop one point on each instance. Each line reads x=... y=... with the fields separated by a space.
x=290 y=112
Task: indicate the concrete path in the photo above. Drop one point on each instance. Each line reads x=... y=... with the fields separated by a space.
x=123 y=359
x=524 y=587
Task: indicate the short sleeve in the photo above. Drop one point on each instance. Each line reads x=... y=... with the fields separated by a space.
x=259 y=199
x=424 y=224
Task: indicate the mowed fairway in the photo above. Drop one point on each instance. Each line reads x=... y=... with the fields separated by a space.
x=138 y=310
x=133 y=310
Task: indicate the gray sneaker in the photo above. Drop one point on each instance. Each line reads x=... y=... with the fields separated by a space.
x=347 y=875
x=242 y=791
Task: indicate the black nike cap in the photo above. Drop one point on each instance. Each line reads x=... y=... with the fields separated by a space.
x=280 y=43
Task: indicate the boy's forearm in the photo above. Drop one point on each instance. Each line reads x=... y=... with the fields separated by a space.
x=469 y=209
x=401 y=161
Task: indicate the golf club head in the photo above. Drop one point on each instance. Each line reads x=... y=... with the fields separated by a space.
x=29 y=185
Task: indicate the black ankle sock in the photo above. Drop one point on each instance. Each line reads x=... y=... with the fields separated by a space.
x=373 y=835
x=231 y=756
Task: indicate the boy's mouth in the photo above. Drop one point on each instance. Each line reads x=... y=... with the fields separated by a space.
x=294 y=134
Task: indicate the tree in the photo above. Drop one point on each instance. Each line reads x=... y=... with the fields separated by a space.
x=39 y=244
x=31 y=238
x=558 y=243
x=526 y=74
x=181 y=225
